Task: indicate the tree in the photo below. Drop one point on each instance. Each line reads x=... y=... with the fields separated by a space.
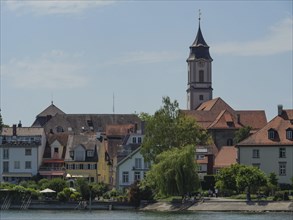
x=250 y=178
x=175 y=172
x=241 y=178
x=226 y=179
x=242 y=134
x=169 y=128
x=56 y=184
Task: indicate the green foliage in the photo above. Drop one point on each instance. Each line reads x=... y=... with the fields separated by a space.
x=242 y=134
x=98 y=189
x=29 y=184
x=273 y=179
x=83 y=188
x=250 y=178
x=279 y=196
x=175 y=173
x=169 y=128
x=240 y=178
x=56 y=184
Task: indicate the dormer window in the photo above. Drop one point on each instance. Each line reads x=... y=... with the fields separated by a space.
x=271 y=134
x=90 y=153
x=289 y=134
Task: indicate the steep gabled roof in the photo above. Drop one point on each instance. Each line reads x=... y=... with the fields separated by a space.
x=280 y=124
x=215 y=113
x=51 y=110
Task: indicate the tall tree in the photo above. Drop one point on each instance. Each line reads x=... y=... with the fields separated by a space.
x=242 y=134
x=175 y=173
x=169 y=128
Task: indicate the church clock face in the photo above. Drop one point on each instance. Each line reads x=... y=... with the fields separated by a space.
x=201 y=63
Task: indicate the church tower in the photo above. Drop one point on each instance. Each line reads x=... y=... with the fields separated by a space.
x=199 y=85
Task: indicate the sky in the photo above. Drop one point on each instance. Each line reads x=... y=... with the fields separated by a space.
x=124 y=56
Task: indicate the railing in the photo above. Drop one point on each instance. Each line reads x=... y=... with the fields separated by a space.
x=7 y=202
x=52 y=169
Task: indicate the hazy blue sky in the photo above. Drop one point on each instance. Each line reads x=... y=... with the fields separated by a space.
x=79 y=53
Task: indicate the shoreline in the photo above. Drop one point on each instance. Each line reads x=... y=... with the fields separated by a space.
x=208 y=205
x=222 y=205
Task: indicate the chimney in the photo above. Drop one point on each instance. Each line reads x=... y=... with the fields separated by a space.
x=14 y=130
x=280 y=110
x=19 y=124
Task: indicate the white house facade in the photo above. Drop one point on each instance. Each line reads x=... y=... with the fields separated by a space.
x=271 y=148
x=132 y=168
x=21 y=152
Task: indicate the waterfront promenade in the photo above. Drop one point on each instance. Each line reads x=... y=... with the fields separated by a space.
x=223 y=204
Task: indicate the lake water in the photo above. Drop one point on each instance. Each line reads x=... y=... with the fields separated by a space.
x=137 y=215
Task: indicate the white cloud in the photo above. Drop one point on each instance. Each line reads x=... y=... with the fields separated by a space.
x=44 y=7
x=53 y=70
x=278 y=40
x=145 y=57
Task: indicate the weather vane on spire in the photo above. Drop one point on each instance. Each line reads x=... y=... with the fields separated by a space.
x=199 y=14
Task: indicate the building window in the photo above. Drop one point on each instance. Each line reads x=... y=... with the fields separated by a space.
x=5 y=166
x=28 y=164
x=70 y=166
x=201 y=76
x=289 y=134
x=282 y=152
x=28 y=152
x=282 y=169
x=90 y=153
x=125 y=177
x=147 y=164
x=255 y=153
x=272 y=134
x=200 y=97
x=200 y=156
x=16 y=165
x=136 y=176
x=93 y=166
x=134 y=140
x=77 y=166
x=59 y=129
x=230 y=142
x=56 y=150
x=5 y=153
x=139 y=140
x=137 y=163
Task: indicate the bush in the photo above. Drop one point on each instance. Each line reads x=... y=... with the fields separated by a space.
x=281 y=196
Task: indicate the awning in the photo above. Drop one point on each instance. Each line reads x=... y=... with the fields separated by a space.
x=17 y=175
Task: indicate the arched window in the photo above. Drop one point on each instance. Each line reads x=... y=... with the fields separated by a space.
x=201 y=76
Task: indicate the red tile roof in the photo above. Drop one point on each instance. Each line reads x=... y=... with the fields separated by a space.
x=217 y=114
x=280 y=124
x=226 y=157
